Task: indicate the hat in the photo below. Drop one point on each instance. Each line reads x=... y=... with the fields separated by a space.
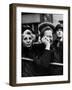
x=58 y=26
x=46 y=25
x=61 y=21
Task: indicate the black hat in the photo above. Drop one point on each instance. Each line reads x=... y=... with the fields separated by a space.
x=61 y=21
x=46 y=25
x=58 y=26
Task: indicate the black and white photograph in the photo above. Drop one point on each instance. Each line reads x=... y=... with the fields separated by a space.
x=41 y=46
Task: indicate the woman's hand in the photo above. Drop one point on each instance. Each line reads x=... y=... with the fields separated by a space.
x=46 y=41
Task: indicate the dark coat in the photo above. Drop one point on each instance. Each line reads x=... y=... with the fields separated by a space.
x=27 y=65
x=57 y=47
x=58 y=51
x=41 y=61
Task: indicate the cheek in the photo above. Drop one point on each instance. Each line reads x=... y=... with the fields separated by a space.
x=24 y=41
x=58 y=33
x=31 y=41
x=61 y=33
x=51 y=38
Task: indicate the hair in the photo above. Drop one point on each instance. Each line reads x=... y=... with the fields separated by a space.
x=29 y=33
x=58 y=26
x=24 y=28
x=32 y=33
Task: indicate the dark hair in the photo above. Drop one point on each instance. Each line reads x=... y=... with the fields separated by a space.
x=61 y=21
x=24 y=28
x=58 y=26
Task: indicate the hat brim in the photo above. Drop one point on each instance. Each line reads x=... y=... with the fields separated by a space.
x=46 y=24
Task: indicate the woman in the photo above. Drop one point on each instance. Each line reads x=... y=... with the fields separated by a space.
x=58 y=51
x=58 y=44
x=44 y=52
x=28 y=37
x=40 y=53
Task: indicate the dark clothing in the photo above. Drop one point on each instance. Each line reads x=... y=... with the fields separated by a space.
x=58 y=58
x=41 y=61
x=28 y=52
x=56 y=70
x=41 y=64
x=27 y=68
x=27 y=65
x=58 y=51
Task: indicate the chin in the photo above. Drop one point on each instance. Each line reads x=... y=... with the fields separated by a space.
x=59 y=36
x=28 y=46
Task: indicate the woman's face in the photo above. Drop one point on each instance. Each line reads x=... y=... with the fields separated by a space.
x=48 y=34
x=27 y=40
x=59 y=33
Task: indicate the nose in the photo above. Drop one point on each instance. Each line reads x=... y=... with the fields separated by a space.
x=28 y=41
x=59 y=32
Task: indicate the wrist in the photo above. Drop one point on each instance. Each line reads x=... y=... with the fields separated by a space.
x=47 y=47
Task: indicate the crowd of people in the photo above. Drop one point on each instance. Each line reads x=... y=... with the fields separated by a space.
x=37 y=58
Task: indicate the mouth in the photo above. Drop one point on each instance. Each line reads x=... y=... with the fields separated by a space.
x=28 y=45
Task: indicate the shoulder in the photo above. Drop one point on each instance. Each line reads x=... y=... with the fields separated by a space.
x=56 y=41
x=54 y=44
x=39 y=46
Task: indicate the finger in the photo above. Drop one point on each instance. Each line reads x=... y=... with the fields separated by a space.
x=47 y=39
